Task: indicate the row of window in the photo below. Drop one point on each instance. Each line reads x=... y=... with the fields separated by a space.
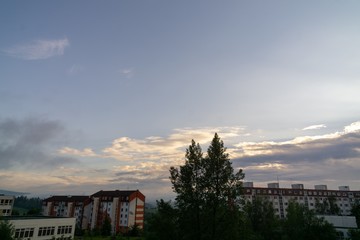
x=298 y=192
x=64 y=229
x=6 y=211
x=309 y=198
x=5 y=202
x=48 y=231
x=24 y=233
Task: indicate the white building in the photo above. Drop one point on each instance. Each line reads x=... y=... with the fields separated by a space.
x=280 y=197
x=42 y=228
x=6 y=205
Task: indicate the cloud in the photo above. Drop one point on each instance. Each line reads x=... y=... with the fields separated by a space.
x=39 y=49
x=307 y=158
x=314 y=127
x=168 y=148
x=27 y=143
x=127 y=72
x=86 y=152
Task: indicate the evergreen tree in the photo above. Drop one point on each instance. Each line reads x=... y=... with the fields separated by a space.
x=187 y=183
x=208 y=193
x=6 y=230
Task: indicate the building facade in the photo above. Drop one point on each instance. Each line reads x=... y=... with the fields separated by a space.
x=42 y=228
x=123 y=209
x=280 y=197
x=6 y=205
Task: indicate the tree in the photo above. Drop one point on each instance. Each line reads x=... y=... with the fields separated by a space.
x=187 y=183
x=261 y=219
x=7 y=230
x=207 y=191
x=302 y=223
x=222 y=187
x=327 y=207
x=106 y=226
x=163 y=225
x=355 y=211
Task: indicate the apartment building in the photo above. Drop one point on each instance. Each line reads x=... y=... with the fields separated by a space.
x=280 y=197
x=66 y=206
x=6 y=205
x=123 y=208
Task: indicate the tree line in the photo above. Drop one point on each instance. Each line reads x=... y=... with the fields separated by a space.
x=209 y=205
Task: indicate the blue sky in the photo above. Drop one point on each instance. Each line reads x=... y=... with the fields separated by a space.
x=107 y=95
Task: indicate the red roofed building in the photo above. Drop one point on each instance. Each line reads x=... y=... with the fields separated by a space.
x=123 y=208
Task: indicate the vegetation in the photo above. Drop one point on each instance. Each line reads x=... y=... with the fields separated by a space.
x=27 y=206
x=6 y=230
x=209 y=205
x=208 y=193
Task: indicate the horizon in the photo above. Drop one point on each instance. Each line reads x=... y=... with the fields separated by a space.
x=109 y=95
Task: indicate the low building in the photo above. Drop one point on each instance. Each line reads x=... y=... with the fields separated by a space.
x=6 y=205
x=342 y=224
x=280 y=197
x=42 y=228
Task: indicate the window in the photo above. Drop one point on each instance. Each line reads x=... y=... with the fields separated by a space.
x=46 y=231
x=64 y=229
x=24 y=233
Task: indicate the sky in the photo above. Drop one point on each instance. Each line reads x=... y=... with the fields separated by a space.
x=105 y=95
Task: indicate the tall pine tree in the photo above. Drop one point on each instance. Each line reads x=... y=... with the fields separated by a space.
x=207 y=192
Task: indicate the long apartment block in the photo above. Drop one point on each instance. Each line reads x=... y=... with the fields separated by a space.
x=280 y=197
x=122 y=208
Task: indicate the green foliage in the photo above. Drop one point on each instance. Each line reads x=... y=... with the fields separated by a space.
x=135 y=231
x=106 y=227
x=327 y=207
x=6 y=230
x=354 y=234
x=302 y=223
x=261 y=219
x=163 y=224
x=355 y=211
x=28 y=203
x=208 y=192
x=34 y=212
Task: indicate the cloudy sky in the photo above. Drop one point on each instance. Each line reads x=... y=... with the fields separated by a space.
x=108 y=95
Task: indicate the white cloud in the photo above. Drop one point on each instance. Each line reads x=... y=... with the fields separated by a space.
x=128 y=72
x=39 y=49
x=315 y=127
x=165 y=149
x=86 y=152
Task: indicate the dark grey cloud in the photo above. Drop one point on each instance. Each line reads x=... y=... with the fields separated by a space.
x=29 y=143
x=332 y=159
x=344 y=146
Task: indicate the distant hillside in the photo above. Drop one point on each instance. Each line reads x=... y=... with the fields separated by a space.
x=12 y=193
